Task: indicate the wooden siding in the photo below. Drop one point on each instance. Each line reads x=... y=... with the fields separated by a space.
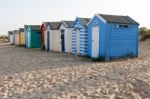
x=11 y=39
x=43 y=34
x=56 y=43
x=83 y=38
x=123 y=41
x=68 y=38
x=34 y=38
x=16 y=39
x=21 y=38
x=102 y=35
x=114 y=42
x=45 y=40
x=26 y=35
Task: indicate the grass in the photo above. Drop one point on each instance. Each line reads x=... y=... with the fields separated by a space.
x=145 y=36
x=145 y=33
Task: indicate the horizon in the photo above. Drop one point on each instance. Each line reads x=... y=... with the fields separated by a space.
x=17 y=13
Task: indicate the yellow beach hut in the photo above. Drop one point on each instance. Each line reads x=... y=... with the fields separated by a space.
x=21 y=37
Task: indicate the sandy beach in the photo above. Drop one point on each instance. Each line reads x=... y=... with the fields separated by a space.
x=36 y=74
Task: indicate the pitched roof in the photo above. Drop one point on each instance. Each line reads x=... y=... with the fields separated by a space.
x=45 y=23
x=10 y=32
x=35 y=27
x=16 y=31
x=85 y=21
x=25 y=26
x=21 y=29
x=68 y=24
x=54 y=25
x=118 y=19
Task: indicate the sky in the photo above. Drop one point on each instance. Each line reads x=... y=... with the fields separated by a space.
x=15 y=14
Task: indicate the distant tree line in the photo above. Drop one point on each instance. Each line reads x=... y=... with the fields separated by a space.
x=144 y=33
x=3 y=38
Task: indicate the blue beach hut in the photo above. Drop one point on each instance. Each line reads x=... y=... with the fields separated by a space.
x=80 y=36
x=112 y=36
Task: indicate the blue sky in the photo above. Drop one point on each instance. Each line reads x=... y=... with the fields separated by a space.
x=15 y=13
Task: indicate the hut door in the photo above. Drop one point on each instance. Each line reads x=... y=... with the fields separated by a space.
x=62 y=41
x=95 y=42
x=11 y=39
x=48 y=41
x=78 y=41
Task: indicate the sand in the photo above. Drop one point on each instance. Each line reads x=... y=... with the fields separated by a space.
x=35 y=74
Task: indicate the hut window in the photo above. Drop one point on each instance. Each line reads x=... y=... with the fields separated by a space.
x=116 y=26
x=121 y=26
x=126 y=26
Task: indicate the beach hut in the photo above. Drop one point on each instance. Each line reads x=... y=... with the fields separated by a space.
x=26 y=34
x=11 y=37
x=52 y=37
x=43 y=29
x=80 y=36
x=112 y=36
x=33 y=36
x=66 y=36
x=21 y=36
x=16 y=37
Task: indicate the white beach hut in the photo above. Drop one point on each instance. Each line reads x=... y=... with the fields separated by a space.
x=66 y=36
x=52 y=37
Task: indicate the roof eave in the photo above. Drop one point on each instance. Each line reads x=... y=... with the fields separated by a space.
x=123 y=23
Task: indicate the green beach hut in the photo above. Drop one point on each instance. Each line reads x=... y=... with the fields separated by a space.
x=33 y=36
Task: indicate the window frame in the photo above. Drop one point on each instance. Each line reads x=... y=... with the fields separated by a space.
x=121 y=26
